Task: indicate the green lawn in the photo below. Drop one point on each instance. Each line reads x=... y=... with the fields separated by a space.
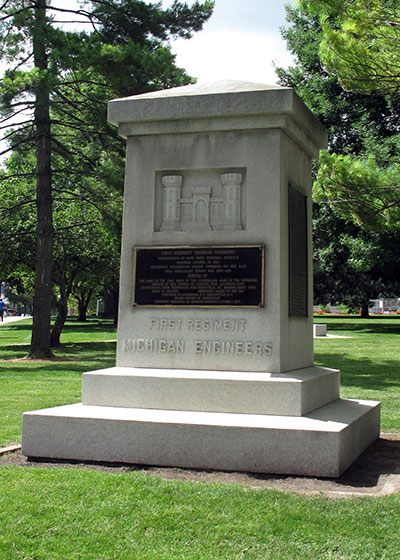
x=369 y=361
x=33 y=385
x=62 y=514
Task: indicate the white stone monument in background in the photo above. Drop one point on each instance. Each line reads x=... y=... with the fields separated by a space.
x=215 y=338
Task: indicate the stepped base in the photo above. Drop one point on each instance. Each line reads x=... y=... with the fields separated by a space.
x=293 y=393
x=322 y=443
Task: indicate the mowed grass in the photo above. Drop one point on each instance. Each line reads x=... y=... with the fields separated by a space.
x=63 y=514
x=369 y=361
x=26 y=385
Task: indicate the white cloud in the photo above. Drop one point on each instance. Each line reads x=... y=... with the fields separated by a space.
x=231 y=54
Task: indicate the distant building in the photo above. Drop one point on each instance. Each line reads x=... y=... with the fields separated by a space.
x=385 y=305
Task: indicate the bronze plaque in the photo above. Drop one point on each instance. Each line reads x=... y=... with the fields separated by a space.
x=298 y=254
x=199 y=276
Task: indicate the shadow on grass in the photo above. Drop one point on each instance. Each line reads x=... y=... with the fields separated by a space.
x=78 y=357
x=365 y=373
x=370 y=326
x=17 y=327
x=89 y=327
x=71 y=325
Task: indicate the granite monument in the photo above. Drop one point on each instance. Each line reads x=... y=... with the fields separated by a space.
x=214 y=361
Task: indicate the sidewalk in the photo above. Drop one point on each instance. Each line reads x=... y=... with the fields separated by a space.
x=12 y=319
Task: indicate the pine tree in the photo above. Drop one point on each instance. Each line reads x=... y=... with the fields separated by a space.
x=62 y=77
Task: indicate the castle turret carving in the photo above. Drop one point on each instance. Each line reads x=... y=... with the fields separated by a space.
x=202 y=211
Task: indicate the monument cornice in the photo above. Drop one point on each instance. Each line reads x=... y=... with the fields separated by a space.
x=230 y=106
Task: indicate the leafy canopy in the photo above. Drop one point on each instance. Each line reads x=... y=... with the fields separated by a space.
x=360 y=42
x=356 y=210
x=360 y=174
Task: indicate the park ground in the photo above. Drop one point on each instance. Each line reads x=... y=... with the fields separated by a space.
x=61 y=511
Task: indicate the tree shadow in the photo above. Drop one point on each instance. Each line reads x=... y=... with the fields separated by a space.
x=368 y=326
x=17 y=327
x=70 y=357
x=365 y=373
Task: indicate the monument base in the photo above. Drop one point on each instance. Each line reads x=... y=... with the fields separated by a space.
x=293 y=393
x=324 y=442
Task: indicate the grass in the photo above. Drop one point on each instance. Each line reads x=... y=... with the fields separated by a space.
x=34 y=385
x=63 y=514
x=368 y=360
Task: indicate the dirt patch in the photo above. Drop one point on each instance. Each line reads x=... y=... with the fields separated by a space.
x=40 y=361
x=375 y=473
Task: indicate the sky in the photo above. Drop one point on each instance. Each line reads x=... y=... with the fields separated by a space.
x=241 y=41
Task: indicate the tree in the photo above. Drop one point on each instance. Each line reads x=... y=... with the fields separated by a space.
x=360 y=42
x=86 y=253
x=120 y=53
x=360 y=188
x=363 y=141
x=353 y=265
x=87 y=232
x=360 y=174
x=351 y=119
x=357 y=42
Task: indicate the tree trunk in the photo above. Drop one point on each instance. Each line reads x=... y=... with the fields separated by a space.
x=83 y=304
x=40 y=341
x=64 y=287
x=364 y=311
x=111 y=305
x=116 y=306
x=62 y=312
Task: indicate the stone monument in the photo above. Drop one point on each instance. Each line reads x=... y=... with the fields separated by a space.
x=215 y=337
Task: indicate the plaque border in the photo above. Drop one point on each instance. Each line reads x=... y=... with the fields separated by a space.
x=168 y=306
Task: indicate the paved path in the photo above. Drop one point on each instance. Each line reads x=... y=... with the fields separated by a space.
x=12 y=319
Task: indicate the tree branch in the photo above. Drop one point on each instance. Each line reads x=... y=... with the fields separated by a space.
x=16 y=13
x=25 y=202
x=14 y=124
x=13 y=132
x=79 y=12
x=65 y=228
x=20 y=143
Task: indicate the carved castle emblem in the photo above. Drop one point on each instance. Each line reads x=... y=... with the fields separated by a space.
x=202 y=211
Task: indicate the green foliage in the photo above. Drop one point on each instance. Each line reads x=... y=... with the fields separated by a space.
x=349 y=118
x=360 y=42
x=360 y=175
x=352 y=265
x=17 y=217
x=56 y=88
x=359 y=187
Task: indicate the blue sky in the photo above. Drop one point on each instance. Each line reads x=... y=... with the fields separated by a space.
x=241 y=41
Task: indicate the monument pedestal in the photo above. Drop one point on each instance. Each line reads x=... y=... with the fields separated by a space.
x=223 y=420
x=215 y=333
